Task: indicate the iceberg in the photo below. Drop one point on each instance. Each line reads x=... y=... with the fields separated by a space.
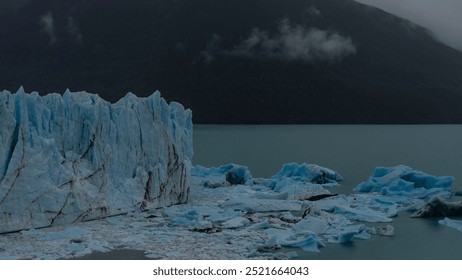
x=239 y=175
x=303 y=181
x=308 y=173
x=348 y=233
x=362 y=213
x=229 y=174
x=75 y=157
x=404 y=181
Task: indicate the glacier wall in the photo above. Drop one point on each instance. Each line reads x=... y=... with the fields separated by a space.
x=75 y=157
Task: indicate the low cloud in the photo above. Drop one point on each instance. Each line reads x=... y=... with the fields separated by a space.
x=295 y=42
x=73 y=30
x=68 y=30
x=48 y=27
x=313 y=11
x=212 y=49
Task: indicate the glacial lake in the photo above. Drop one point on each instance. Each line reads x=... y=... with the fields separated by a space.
x=353 y=151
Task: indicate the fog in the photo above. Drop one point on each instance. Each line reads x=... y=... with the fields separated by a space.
x=442 y=17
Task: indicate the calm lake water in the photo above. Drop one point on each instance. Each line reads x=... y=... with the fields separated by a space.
x=353 y=151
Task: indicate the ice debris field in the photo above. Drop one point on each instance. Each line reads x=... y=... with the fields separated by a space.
x=80 y=175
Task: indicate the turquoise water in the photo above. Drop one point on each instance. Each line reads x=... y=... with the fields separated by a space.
x=353 y=151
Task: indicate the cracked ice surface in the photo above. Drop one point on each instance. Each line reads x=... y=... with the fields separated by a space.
x=72 y=158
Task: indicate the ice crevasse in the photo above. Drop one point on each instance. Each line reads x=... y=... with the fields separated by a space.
x=76 y=157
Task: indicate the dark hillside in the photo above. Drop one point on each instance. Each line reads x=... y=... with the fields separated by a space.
x=365 y=66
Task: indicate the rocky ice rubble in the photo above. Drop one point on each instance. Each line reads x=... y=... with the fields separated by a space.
x=293 y=209
x=75 y=157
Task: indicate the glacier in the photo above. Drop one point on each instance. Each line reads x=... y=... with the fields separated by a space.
x=76 y=157
x=125 y=170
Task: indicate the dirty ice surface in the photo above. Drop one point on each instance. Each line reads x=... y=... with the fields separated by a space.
x=230 y=215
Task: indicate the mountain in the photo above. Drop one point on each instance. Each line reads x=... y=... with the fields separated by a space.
x=237 y=61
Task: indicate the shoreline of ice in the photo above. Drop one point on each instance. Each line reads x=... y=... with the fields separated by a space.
x=252 y=218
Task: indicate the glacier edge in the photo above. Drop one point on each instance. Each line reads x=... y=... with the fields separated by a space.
x=76 y=157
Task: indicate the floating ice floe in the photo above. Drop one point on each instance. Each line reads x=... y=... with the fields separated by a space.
x=404 y=181
x=417 y=191
x=288 y=238
x=307 y=173
x=457 y=224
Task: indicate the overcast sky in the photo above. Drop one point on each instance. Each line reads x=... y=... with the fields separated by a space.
x=443 y=17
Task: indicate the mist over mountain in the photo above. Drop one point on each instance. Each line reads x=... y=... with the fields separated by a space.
x=236 y=61
x=441 y=17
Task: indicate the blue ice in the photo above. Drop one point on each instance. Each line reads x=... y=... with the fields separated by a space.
x=402 y=180
x=456 y=224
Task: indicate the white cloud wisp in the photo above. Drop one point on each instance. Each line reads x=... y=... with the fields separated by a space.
x=47 y=24
x=295 y=43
